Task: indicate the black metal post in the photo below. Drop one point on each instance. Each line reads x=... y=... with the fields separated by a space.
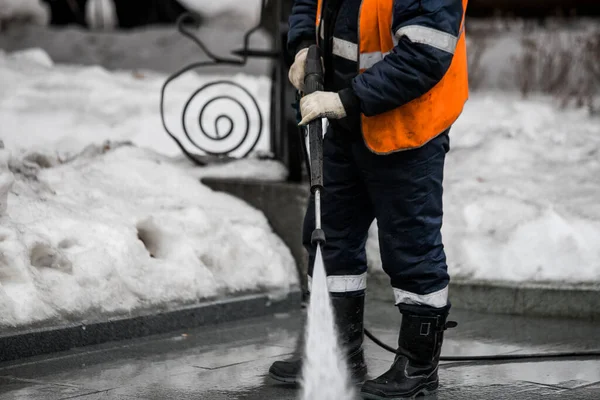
x=286 y=137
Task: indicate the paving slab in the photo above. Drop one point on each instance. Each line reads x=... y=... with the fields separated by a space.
x=231 y=360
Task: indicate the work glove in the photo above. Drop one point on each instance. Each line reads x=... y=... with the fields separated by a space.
x=298 y=68
x=321 y=104
x=296 y=74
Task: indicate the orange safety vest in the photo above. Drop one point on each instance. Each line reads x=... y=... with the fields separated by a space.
x=417 y=122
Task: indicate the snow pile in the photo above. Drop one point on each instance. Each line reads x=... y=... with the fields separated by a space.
x=118 y=230
x=521 y=192
x=24 y=10
x=67 y=107
x=115 y=228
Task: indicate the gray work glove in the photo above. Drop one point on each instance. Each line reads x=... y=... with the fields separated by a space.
x=298 y=68
x=321 y=104
x=296 y=74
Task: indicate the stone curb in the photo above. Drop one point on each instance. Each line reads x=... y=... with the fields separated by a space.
x=33 y=342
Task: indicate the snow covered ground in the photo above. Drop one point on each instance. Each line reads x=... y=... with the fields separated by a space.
x=85 y=103
x=89 y=228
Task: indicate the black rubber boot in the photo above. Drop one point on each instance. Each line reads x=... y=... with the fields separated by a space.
x=349 y=312
x=415 y=368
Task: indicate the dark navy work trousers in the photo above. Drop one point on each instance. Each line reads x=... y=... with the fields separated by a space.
x=403 y=191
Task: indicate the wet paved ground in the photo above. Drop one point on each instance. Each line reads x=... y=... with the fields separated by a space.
x=230 y=362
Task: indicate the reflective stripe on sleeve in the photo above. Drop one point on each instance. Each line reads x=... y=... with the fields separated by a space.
x=367 y=60
x=432 y=37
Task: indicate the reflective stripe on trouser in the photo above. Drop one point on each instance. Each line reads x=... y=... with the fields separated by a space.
x=343 y=283
x=404 y=190
x=437 y=299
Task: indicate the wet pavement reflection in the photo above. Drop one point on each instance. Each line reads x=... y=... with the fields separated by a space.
x=230 y=361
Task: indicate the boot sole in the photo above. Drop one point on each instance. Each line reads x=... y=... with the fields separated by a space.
x=424 y=391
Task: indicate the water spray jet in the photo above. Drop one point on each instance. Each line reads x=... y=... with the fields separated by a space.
x=325 y=373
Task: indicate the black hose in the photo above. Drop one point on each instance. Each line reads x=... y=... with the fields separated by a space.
x=499 y=357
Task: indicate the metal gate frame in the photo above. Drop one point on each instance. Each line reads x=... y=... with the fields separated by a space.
x=285 y=140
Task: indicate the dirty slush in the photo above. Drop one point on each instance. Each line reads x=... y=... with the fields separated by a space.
x=325 y=371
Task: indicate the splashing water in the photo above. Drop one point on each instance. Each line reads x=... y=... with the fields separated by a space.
x=325 y=371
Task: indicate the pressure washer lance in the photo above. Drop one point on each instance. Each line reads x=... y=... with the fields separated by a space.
x=313 y=81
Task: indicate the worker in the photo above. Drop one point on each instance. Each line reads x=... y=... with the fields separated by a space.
x=395 y=82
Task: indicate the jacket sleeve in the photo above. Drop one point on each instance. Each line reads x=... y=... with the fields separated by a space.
x=426 y=32
x=302 y=26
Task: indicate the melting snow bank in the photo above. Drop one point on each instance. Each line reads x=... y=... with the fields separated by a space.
x=63 y=108
x=114 y=229
x=521 y=193
x=119 y=229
